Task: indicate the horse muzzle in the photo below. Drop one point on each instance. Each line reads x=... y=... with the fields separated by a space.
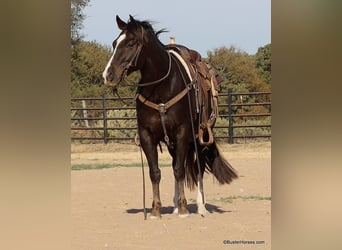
x=113 y=85
x=111 y=81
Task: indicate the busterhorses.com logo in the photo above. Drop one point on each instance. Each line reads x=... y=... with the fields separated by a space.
x=243 y=242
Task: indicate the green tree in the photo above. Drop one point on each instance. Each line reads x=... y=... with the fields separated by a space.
x=239 y=72
x=87 y=64
x=237 y=68
x=77 y=18
x=263 y=62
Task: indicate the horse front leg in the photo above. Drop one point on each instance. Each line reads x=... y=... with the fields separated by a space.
x=179 y=173
x=151 y=154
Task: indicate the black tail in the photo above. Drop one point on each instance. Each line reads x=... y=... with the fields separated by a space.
x=218 y=166
x=211 y=160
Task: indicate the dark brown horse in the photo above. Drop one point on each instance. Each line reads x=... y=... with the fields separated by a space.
x=166 y=112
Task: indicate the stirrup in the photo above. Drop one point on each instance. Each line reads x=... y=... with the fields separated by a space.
x=200 y=136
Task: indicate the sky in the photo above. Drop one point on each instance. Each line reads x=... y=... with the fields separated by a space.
x=199 y=25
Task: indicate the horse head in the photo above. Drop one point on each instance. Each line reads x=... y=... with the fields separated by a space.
x=127 y=49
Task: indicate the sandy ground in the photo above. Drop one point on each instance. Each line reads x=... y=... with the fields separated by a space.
x=107 y=210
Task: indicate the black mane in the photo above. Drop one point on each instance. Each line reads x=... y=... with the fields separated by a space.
x=149 y=28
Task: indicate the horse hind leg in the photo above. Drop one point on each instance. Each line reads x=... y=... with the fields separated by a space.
x=175 y=199
x=176 y=193
x=199 y=177
x=200 y=196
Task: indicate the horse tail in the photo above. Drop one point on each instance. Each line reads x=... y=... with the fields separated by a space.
x=217 y=165
x=191 y=169
x=210 y=159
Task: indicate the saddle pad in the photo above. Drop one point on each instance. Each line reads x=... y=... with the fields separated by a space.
x=180 y=58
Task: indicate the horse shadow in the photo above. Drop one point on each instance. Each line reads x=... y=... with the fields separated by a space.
x=191 y=207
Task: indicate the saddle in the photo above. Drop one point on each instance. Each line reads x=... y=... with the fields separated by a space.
x=206 y=80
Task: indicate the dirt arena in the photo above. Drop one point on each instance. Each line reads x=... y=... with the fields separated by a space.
x=107 y=210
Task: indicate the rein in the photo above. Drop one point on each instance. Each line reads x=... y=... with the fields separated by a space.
x=161 y=79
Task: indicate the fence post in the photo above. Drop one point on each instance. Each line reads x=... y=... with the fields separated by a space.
x=85 y=114
x=230 y=118
x=104 y=111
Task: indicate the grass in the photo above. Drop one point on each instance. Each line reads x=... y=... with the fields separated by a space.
x=113 y=165
x=230 y=199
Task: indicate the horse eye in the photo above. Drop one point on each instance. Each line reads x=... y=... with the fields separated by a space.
x=130 y=44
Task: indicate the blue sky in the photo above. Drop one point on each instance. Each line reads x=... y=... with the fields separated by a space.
x=200 y=25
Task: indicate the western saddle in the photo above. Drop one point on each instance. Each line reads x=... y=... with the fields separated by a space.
x=205 y=81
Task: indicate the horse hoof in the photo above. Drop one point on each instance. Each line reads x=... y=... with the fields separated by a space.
x=153 y=217
x=202 y=210
x=175 y=210
x=183 y=215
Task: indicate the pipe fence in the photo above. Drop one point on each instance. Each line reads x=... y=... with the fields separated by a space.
x=242 y=116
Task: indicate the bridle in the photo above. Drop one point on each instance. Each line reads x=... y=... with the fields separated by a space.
x=134 y=62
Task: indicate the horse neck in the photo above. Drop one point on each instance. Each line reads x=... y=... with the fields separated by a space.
x=156 y=64
x=156 y=67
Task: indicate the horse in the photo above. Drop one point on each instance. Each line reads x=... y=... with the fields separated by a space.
x=166 y=113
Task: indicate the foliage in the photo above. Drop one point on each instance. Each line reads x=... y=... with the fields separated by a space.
x=88 y=59
x=244 y=131
x=237 y=68
x=77 y=18
x=122 y=123
x=239 y=72
x=263 y=63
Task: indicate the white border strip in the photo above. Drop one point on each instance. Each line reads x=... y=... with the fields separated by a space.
x=182 y=61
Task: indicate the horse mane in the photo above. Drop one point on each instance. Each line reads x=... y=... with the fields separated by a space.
x=147 y=26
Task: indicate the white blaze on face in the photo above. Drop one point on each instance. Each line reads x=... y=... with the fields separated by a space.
x=118 y=41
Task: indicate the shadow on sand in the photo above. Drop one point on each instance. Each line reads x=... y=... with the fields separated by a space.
x=191 y=207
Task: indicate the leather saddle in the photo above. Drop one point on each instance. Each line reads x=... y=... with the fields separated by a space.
x=206 y=82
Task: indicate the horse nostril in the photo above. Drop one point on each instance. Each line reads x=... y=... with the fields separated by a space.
x=109 y=76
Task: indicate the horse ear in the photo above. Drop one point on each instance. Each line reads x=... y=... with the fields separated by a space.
x=121 y=24
x=133 y=22
x=131 y=18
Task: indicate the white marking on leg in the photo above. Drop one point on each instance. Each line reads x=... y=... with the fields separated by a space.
x=118 y=41
x=200 y=196
x=175 y=198
x=154 y=217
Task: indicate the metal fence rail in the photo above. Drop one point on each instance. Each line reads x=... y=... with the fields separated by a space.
x=106 y=118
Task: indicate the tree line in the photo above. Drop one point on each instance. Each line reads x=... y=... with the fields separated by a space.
x=239 y=70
